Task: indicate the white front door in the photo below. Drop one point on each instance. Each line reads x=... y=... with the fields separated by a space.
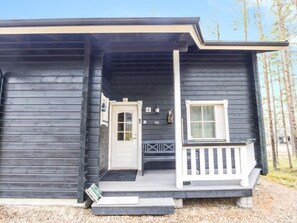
x=124 y=139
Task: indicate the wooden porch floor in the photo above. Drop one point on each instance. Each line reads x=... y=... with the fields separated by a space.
x=161 y=183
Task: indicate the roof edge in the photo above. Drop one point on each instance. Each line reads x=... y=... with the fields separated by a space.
x=101 y=21
x=247 y=43
x=188 y=25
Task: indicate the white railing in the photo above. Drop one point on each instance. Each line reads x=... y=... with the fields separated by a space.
x=218 y=161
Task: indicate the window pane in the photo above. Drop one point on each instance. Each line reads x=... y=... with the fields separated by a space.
x=209 y=130
x=120 y=127
x=196 y=130
x=208 y=113
x=128 y=136
x=120 y=136
x=195 y=113
x=128 y=117
x=128 y=127
x=120 y=117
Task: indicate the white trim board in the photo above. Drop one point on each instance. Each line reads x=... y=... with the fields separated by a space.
x=40 y=202
x=92 y=29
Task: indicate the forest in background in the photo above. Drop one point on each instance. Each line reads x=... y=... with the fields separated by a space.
x=277 y=70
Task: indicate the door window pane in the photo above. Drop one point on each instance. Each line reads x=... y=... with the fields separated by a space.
x=128 y=117
x=124 y=131
x=128 y=136
x=120 y=136
x=128 y=127
x=121 y=117
x=120 y=127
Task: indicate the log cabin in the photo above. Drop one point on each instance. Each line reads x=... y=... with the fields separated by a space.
x=145 y=108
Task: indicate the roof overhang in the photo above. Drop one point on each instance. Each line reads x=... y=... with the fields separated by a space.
x=132 y=25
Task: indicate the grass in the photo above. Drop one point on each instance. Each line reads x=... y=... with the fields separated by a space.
x=283 y=175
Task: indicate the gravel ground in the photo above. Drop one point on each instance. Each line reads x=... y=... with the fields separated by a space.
x=272 y=203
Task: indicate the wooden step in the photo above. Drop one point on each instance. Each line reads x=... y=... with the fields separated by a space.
x=132 y=206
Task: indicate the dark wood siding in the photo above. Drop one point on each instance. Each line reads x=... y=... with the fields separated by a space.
x=219 y=75
x=94 y=119
x=104 y=129
x=149 y=78
x=40 y=119
x=205 y=75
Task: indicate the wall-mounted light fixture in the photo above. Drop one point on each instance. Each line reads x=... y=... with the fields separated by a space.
x=157 y=109
x=170 y=117
x=103 y=107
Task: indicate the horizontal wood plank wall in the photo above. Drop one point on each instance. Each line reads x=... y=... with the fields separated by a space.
x=104 y=130
x=218 y=75
x=94 y=121
x=40 y=118
x=147 y=77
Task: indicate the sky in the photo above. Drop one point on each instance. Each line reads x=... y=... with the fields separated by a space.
x=227 y=12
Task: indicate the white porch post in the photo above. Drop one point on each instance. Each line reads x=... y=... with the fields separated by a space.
x=177 y=120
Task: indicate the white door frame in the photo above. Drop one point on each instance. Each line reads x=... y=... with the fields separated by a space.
x=139 y=129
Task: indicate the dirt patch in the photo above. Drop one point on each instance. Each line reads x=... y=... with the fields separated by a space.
x=272 y=203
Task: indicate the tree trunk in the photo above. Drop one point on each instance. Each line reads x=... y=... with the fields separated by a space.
x=274 y=111
x=283 y=33
x=284 y=118
x=245 y=19
x=218 y=30
x=267 y=88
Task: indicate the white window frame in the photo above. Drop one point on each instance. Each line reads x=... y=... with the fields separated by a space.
x=190 y=103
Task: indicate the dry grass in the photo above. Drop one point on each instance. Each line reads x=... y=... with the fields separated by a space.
x=284 y=175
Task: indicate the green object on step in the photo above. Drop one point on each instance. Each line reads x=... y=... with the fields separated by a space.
x=94 y=192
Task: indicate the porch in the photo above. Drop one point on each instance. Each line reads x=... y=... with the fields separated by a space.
x=162 y=86
x=208 y=170
x=207 y=161
x=161 y=183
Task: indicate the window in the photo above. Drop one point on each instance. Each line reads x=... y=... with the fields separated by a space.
x=202 y=121
x=124 y=126
x=207 y=120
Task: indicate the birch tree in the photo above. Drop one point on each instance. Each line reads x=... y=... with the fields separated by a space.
x=283 y=116
x=218 y=32
x=281 y=8
x=271 y=82
x=267 y=87
x=245 y=19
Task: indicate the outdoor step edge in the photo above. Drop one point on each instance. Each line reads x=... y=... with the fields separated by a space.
x=143 y=202
x=146 y=206
x=162 y=210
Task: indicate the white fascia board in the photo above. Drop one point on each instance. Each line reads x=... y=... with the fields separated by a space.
x=200 y=45
x=96 y=29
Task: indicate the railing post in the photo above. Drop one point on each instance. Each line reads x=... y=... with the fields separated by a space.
x=185 y=162
x=244 y=167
